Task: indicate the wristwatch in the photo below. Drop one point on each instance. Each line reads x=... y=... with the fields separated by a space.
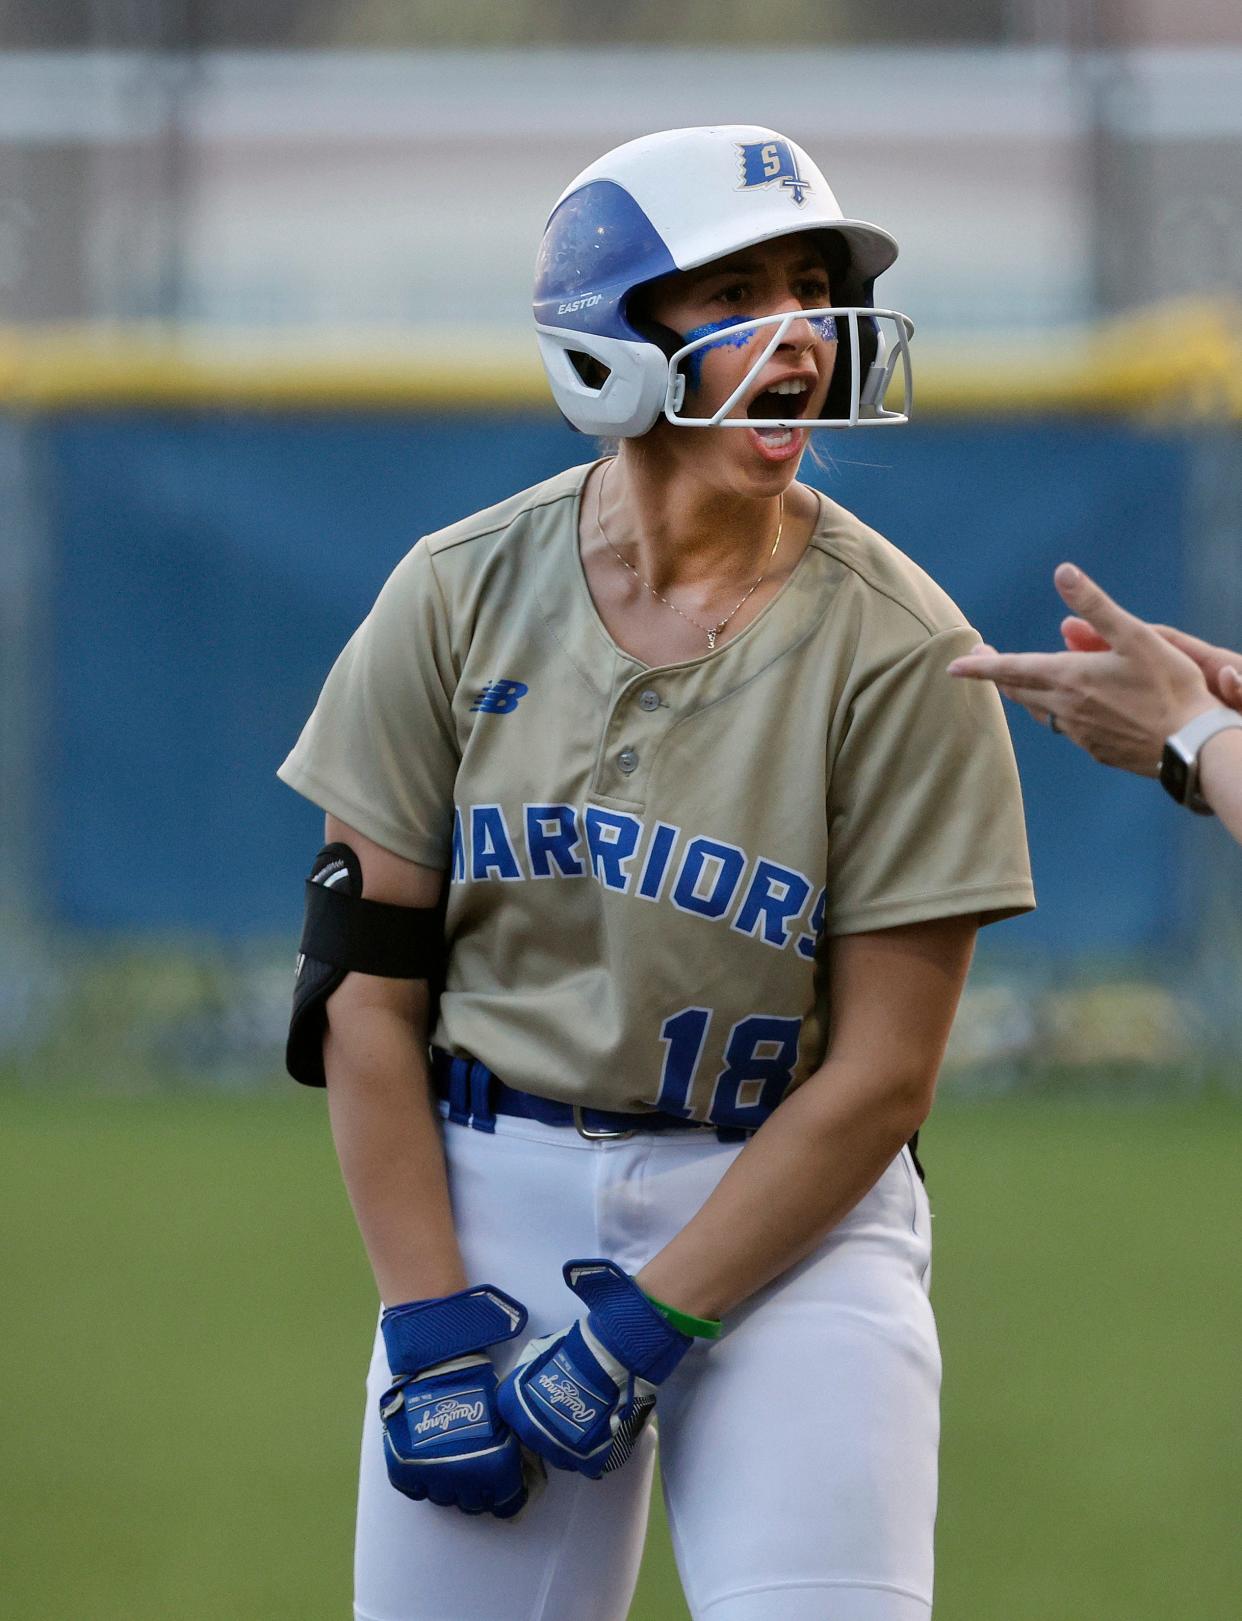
x=1179 y=764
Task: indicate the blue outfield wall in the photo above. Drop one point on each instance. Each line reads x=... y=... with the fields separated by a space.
x=208 y=567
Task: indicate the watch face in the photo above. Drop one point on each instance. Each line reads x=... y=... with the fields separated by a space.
x=1174 y=774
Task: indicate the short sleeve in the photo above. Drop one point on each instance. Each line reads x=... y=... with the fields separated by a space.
x=924 y=808
x=380 y=750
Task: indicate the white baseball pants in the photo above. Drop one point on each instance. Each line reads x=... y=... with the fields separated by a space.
x=798 y=1452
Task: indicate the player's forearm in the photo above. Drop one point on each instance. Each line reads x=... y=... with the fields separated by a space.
x=1220 y=778
x=813 y=1160
x=387 y=1137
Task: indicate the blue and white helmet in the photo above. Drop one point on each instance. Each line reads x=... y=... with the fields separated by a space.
x=674 y=201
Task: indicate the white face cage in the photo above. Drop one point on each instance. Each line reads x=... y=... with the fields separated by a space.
x=867 y=394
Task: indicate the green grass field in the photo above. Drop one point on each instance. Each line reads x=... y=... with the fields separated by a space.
x=188 y=1315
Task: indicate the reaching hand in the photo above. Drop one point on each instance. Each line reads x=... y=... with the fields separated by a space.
x=1121 y=690
x=1220 y=667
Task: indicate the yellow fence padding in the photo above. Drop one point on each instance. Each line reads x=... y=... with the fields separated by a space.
x=1169 y=359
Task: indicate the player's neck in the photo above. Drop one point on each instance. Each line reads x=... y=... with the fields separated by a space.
x=678 y=530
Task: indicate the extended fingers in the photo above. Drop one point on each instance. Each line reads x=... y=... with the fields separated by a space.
x=1095 y=626
x=1079 y=637
x=1027 y=670
x=1028 y=679
x=1091 y=602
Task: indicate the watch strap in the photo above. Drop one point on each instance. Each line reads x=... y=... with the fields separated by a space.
x=1179 y=764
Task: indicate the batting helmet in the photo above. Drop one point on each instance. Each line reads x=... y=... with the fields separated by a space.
x=675 y=201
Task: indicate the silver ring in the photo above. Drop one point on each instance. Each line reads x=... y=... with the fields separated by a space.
x=1052 y=723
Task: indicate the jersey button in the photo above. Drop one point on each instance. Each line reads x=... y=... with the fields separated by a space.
x=649 y=700
x=627 y=760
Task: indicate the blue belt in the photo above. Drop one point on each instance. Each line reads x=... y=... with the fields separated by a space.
x=476 y=1096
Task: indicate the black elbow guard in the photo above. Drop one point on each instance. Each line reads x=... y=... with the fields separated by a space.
x=343 y=934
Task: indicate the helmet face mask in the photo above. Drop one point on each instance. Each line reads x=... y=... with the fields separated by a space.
x=866 y=387
x=678 y=201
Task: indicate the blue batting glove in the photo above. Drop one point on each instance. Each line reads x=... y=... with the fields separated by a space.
x=580 y=1399
x=444 y=1439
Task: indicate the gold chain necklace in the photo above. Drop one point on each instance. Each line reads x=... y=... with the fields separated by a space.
x=710 y=631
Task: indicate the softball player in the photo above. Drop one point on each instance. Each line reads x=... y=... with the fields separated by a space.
x=658 y=841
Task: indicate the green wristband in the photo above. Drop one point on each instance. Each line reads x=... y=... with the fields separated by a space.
x=698 y=1328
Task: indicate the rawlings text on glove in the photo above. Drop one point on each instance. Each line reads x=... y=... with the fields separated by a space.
x=579 y=1399
x=443 y=1437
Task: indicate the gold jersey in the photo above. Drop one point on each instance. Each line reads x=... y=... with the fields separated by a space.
x=644 y=863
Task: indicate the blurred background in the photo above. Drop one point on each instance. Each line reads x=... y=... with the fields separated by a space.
x=264 y=320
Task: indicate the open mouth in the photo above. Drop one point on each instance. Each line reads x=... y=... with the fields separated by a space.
x=780 y=403
x=782 y=400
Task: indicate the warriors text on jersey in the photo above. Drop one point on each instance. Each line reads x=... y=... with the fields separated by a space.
x=645 y=862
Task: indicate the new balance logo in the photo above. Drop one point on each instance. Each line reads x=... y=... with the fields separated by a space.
x=500 y=697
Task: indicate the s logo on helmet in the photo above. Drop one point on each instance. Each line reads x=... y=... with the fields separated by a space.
x=770 y=163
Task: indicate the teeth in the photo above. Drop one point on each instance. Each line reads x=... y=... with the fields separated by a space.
x=778 y=438
x=790 y=386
